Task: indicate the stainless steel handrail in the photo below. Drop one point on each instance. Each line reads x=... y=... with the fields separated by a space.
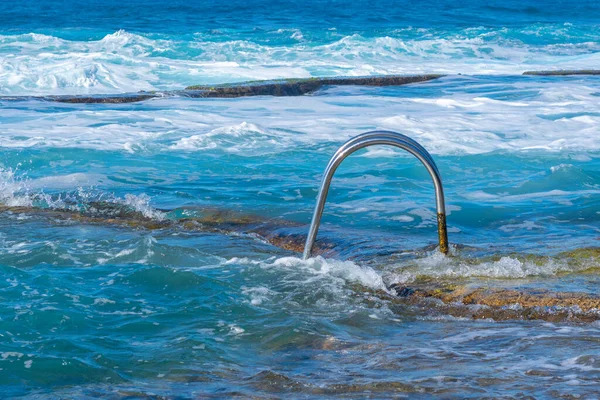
x=371 y=139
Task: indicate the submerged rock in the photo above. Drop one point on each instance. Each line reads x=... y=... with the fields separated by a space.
x=456 y=298
x=109 y=99
x=564 y=72
x=280 y=233
x=279 y=87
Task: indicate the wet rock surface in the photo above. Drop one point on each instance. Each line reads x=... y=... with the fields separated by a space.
x=489 y=300
x=281 y=87
x=564 y=72
x=277 y=232
x=277 y=87
x=298 y=87
x=501 y=304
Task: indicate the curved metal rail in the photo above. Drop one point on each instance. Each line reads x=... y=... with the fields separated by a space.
x=371 y=139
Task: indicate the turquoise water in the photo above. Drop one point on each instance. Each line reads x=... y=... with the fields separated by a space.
x=110 y=311
x=114 y=46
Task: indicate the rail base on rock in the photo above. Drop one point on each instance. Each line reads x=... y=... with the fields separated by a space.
x=466 y=300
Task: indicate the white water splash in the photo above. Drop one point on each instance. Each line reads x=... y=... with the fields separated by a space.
x=437 y=265
x=127 y=62
x=13 y=191
x=475 y=124
x=141 y=203
x=240 y=139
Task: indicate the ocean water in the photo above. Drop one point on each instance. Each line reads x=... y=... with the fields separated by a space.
x=93 y=308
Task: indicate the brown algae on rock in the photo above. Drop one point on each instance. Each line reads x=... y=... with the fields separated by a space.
x=274 y=231
x=461 y=297
x=499 y=303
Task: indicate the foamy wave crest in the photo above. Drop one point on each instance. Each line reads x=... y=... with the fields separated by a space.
x=469 y=121
x=242 y=138
x=327 y=286
x=141 y=203
x=44 y=64
x=347 y=271
x=437 y=265
x=126 y=62
x=20 y=191
x=318 y=268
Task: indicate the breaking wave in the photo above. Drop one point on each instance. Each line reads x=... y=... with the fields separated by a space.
x=37 y=64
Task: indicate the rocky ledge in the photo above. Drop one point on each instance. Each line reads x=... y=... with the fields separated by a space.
x=564 y=72
x=493 y=299
x=281 y=87
x=298 y=87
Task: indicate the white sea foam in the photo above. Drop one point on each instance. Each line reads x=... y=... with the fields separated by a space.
x=556 y=195
x=474 y=124
x=320 y=285
x=9 y=354
x=127 y=62
x=18 y=191
x=68 y=181
x=102 y=301
x=437 y=265
x=341 y=272
x=560 y=167
x=141 y=203
x=257 y=295
x=346 y=270
x=14 y=191
x=241 y=138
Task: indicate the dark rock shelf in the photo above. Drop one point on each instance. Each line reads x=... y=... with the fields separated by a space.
x=298 y=87
x=283 y=87
x=564 y=72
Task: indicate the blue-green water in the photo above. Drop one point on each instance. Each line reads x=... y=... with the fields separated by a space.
x=104 y=310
